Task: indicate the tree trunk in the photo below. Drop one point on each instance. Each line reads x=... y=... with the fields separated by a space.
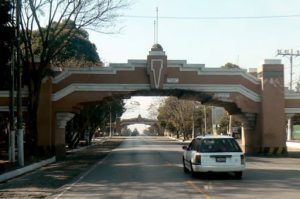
x=34 y=86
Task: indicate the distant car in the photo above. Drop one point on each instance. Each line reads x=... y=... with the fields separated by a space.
x=214 y=154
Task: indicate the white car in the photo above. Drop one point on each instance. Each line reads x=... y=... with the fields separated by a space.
x=214 y=154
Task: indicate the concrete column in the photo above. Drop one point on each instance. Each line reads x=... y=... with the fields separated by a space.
x=289 y=127
x=60 y=134
x=247 y=145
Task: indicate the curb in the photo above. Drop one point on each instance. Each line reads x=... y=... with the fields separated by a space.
x=34 y=166
x=295 y=145
x=99 y=141
x=21 y=171
x=179 y=140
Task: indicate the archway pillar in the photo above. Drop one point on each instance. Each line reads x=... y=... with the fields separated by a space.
x=44 y=119
x=249 y=135
x=61 y=119
x=273 y=130
x=248 y=144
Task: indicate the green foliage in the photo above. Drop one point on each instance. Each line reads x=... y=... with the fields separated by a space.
x=135 y=132
x=7 y=33
x=126 y=131
x=180 y=116
x=224 y=124
x=77 y=50
x=5 y=11
x=230 y=65
x=46 y=36
x=92 y=117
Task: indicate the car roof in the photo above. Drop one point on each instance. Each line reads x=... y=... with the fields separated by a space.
x=214 y=137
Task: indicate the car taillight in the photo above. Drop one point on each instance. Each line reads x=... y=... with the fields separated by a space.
x=197 y=159
x=243 y=159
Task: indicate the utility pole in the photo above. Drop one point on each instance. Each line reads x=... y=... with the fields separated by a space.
x=154 y=33
x=110 y=121
x=290 y=55
x=212 y=120
x=11 y=150
x=230 y=125
x=19 y=88
x=156 y=24
x=205 y=127
x=193 y=121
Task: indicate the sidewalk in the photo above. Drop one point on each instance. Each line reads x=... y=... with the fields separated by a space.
x=9 y=170
x=293 y=145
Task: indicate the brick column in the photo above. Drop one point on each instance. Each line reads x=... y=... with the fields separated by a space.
x=273 y=136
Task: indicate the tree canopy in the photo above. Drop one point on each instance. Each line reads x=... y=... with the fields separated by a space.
x=92 y=117
x=78 y=50
x=47 y=28
x=180 y=116
x=230 y=65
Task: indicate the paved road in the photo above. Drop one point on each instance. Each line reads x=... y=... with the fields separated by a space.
x=149 y=167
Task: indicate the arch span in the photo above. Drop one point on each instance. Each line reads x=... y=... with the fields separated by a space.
x=123 y=123
x=251 y=96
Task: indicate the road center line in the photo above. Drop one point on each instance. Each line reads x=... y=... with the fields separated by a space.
x=67 y=188
x=207 y=196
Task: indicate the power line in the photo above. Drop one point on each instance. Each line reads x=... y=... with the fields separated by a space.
x=290 y=55
x=213 y=18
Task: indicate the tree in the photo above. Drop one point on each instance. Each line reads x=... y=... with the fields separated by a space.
x=50 y=27
x=135 y=132
x=126 y=131
x=6 y=42
x=230 y=65
x=224 y=123
x=92 y=117
x=79 y=52
x=180 y=116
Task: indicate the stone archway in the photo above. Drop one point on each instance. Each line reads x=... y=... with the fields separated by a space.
x=121 y=124
x=250 y=95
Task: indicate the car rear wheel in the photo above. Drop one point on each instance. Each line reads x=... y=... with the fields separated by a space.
x=185 y=170
x=238 y=175
x=193 y=173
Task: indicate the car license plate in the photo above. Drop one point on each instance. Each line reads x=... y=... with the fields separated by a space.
x=220 y=159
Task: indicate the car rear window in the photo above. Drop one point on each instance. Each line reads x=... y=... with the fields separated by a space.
x=219 y=145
